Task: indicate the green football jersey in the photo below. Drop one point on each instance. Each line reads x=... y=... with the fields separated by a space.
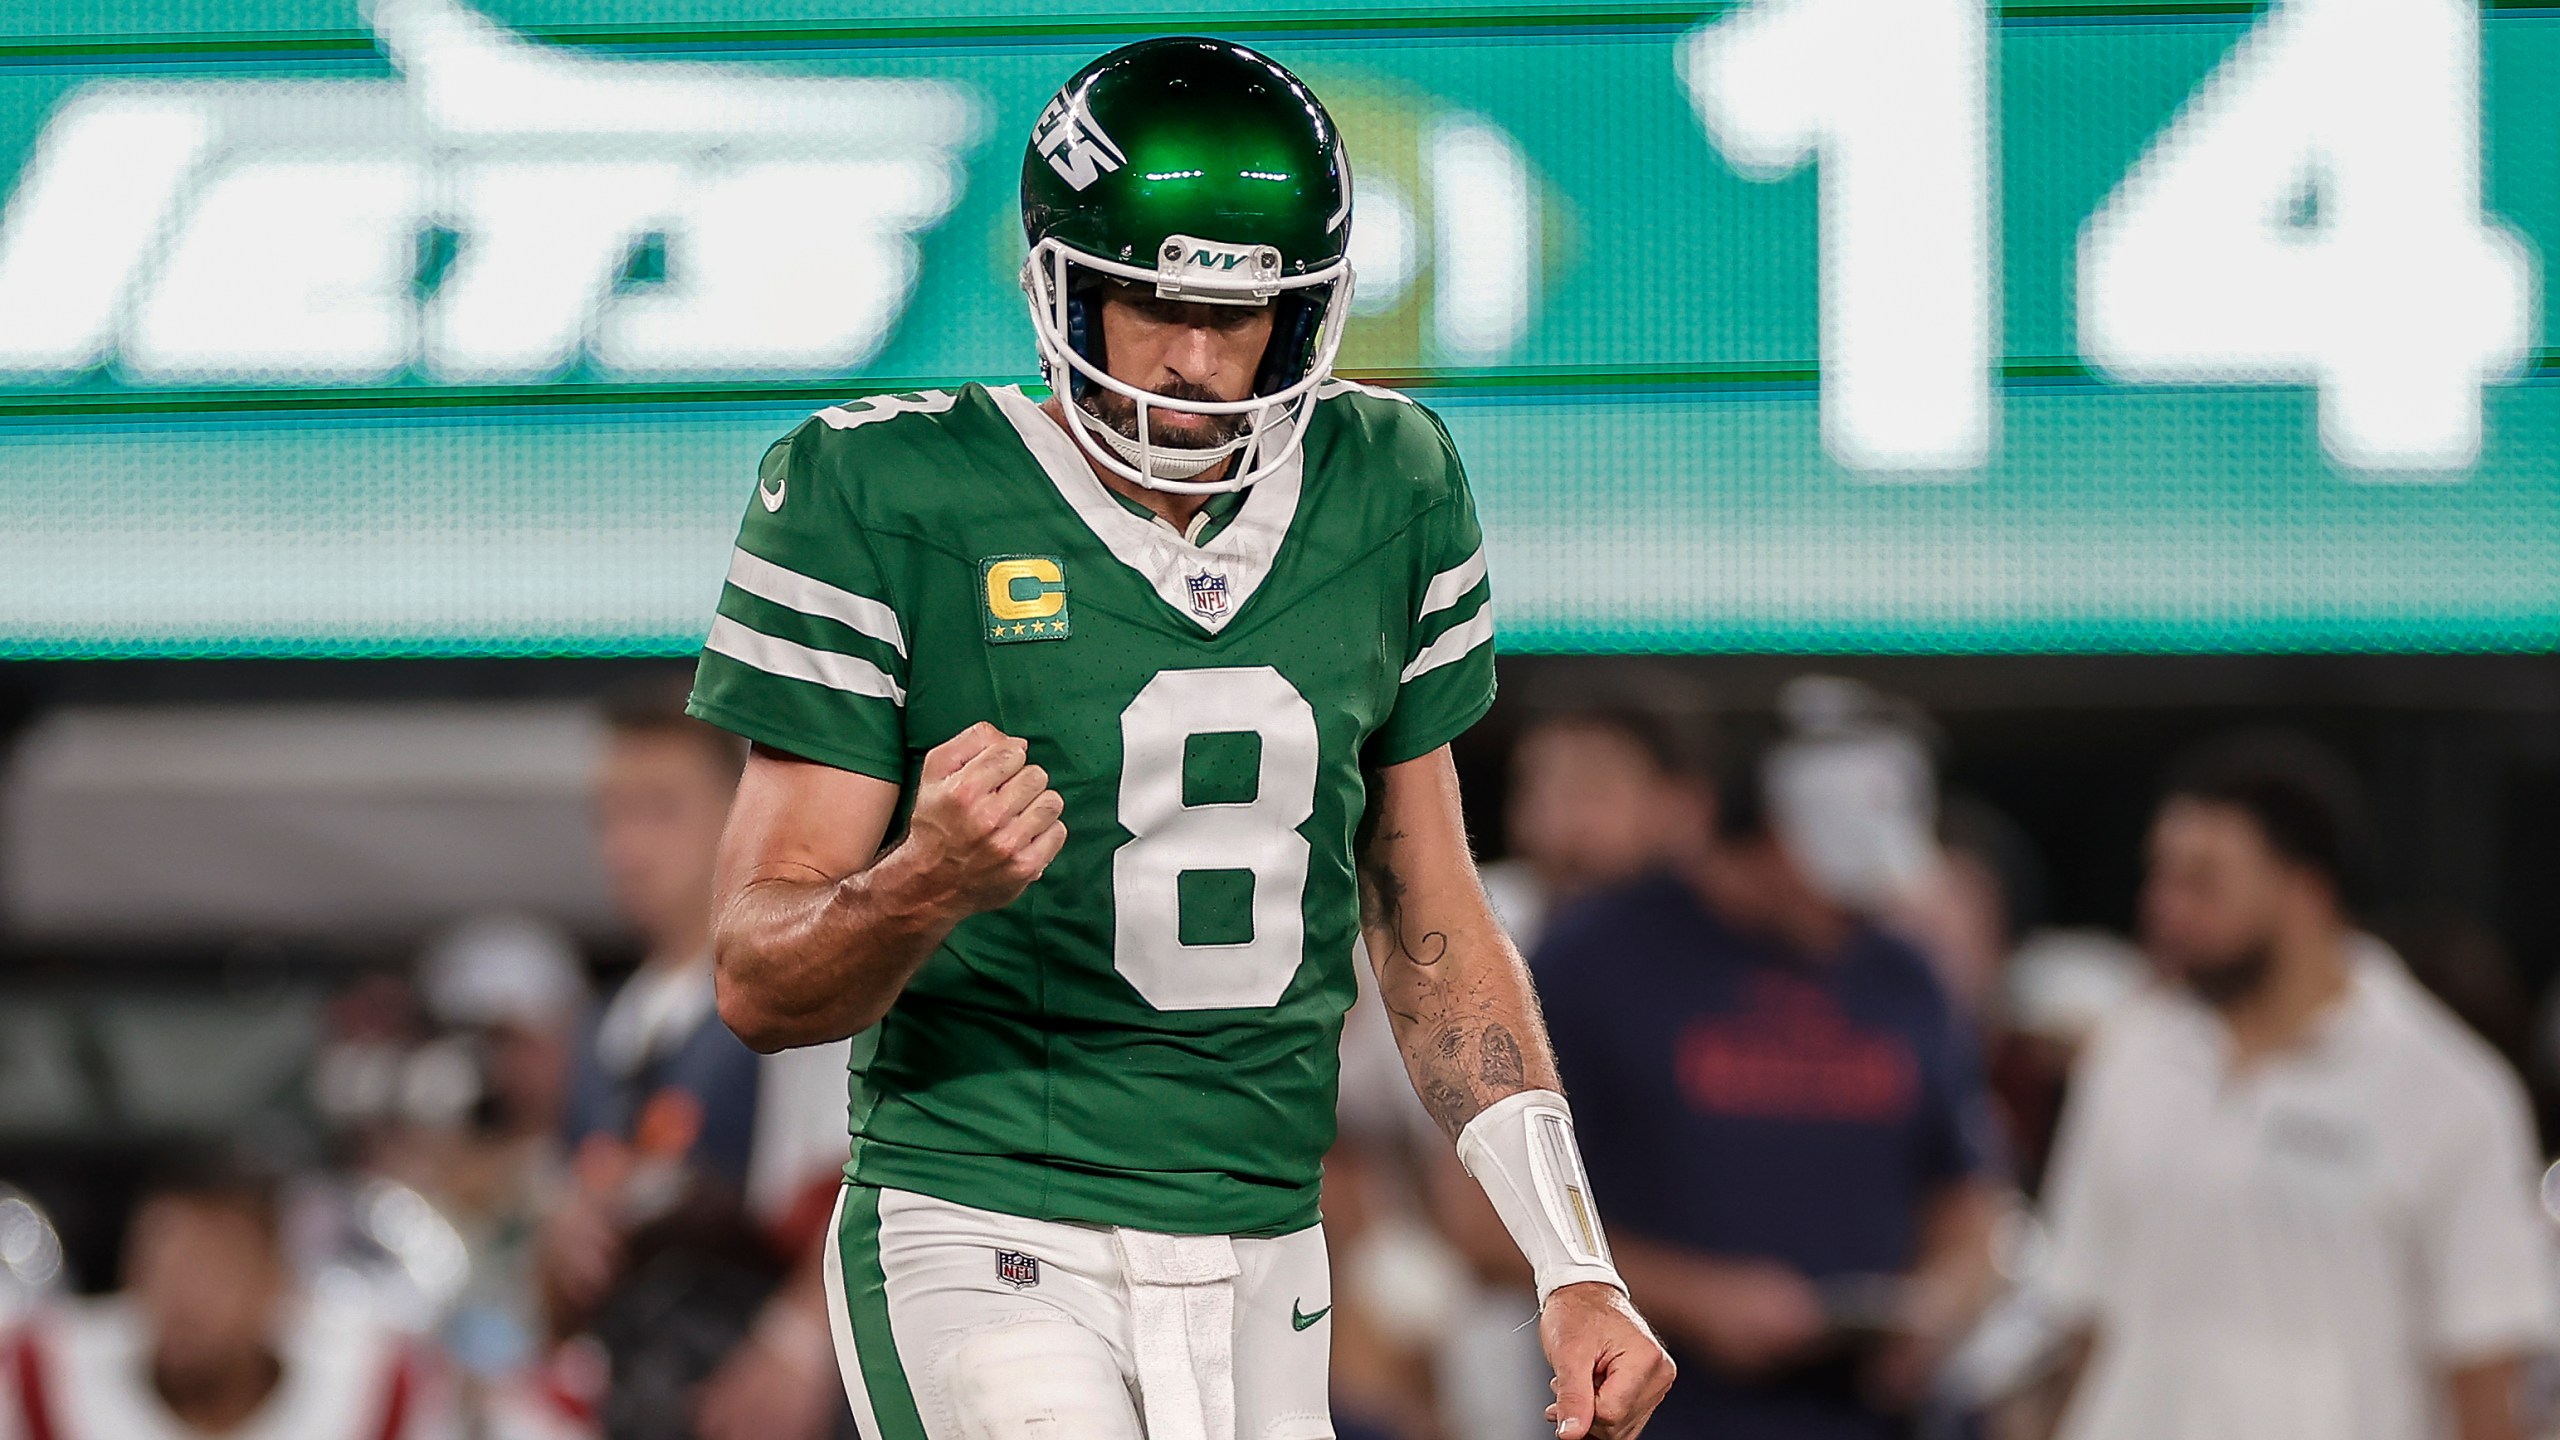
x=1148 y=1036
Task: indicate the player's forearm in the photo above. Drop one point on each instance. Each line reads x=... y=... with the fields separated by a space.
x=815 y=937
x=1457 y=995
x=806 y=961
x=1461 y=1009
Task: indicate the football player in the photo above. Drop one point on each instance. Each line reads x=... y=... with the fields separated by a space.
x=1153 y=684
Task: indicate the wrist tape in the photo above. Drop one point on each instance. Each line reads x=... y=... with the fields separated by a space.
x=1521 y=1150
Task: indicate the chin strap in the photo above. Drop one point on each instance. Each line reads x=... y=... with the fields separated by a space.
x=1163 y=463
x=1521 y=1150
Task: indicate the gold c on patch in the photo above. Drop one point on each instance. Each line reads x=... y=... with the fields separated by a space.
x=1023 y=597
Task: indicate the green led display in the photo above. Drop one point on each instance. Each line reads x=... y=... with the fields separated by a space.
x=445 y=328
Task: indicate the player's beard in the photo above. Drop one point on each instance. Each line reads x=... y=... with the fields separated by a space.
x=2224 y=981
x=1121 y=413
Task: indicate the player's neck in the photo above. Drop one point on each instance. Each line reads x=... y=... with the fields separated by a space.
x=1177 y=511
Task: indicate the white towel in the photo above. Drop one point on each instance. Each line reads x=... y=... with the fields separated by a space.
x=1182 y=1308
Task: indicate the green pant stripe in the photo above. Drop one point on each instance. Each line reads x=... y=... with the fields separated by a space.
x=866 y=1295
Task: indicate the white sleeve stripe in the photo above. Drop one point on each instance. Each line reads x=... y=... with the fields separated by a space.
x=1449 y=649
x=792 y=661
x=1451 y=585
x=794 y=591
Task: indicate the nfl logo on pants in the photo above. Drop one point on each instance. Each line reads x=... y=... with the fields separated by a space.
x=1017 y=1269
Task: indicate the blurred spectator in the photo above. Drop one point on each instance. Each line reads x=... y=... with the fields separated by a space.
x=1852 y=794
x=212 y=1337
x=1598 y=797
x=506 y=993
x=2057 y=990
x=699 y=1168
x=511 y=988
x=2293 y=1196
x=1992 y=880
x=1785 y=1118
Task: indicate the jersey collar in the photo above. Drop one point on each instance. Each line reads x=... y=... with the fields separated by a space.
x=1242 y=549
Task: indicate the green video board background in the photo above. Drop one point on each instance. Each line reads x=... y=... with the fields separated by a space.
x=420 y=327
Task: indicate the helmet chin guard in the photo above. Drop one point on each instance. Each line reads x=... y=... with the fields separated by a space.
x=1286 y=388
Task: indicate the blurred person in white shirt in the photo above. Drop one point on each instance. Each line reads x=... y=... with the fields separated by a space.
x=2293 y=1198
x=212 y=1336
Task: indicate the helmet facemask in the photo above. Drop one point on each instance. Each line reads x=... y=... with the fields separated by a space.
x=1065 y=287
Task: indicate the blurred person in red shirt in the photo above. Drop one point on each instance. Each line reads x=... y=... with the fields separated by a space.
x=2293 y=1196
x=211 y=1336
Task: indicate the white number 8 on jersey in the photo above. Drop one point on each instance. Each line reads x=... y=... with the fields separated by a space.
x=1168 y=837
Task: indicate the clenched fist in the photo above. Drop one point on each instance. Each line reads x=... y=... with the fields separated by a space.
x=1610 y=1370
x=985 y=823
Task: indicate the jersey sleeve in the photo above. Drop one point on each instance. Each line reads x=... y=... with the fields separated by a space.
x=808 y=651
x=1447 y=681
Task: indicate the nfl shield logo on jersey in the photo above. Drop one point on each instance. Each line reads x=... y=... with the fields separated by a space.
x=1208 y=594
x=1017 y=1269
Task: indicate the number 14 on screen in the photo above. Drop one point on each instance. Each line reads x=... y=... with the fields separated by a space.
x=2311 y=216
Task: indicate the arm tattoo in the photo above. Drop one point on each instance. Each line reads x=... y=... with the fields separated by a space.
x=1500 y=1065
x=1463 y=1058
x=1382 y=910
x=1454 y=1090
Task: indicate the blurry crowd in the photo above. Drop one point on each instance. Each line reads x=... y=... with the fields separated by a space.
x=1882 y=1155
x=549 y=1212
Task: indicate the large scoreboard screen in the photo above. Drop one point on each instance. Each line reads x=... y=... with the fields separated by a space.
x=457 y=326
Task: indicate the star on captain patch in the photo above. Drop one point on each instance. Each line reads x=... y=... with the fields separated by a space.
x=1208 y=594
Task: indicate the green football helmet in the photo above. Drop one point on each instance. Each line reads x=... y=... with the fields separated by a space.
x=1209 y=173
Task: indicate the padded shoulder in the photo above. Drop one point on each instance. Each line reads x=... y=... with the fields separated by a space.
x=1393 y=440
x=892 y=460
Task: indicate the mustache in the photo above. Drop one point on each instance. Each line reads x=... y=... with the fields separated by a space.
x=1121 y=413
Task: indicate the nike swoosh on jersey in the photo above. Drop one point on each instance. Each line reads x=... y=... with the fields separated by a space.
x=1300 y=1320
x=773 y=497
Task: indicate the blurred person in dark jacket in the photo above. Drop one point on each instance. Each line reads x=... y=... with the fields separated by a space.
x=212 y=1335
x=2293 y=1195
x=1789 y=1125
x=701 y=1172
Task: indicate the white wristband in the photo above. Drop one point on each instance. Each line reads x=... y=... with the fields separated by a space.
x=1521 y=1150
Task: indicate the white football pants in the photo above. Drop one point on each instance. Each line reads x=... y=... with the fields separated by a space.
x=953 y=1323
